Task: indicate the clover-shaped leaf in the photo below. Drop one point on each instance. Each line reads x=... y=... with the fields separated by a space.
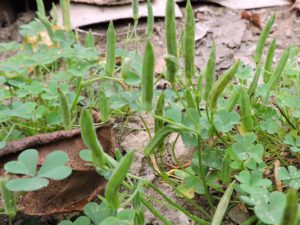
x=269 y=125
x=290 y=176
x=253 y=183
x=224 y=121
x=26 y=164
x=54 y=166
x=293 y=142
x=245 y=148
x=82 y=220
x=98 y=213
x=271 y=211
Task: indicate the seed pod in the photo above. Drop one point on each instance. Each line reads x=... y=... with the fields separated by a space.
x=226 y=170
x=41 y=7
x=65 y=110
x=199 y=88
x=135 y=9
x=65 y=6
x=246 y=115
x=110 y=49
x=90 y=139
x=89 y=40
x=291 y=209
x=234 y=99
x=210 y=72
x=221 y=84
x=223 y=205
x=150 y=19
x=262 y=39
x=189 y=42
x=125 y=67
x=158 y=138
x=269 y=60
x=275 y=78
x=254 y=82
x=104 y=107
x=116 y=179
x=148 y=77
x=8 y=200
x=190 y=100
x=159 y=111
x=171 y=40
x=54 y=14
x=47 y=25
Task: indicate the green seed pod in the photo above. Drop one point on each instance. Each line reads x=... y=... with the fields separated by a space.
x=254 y=82
x=223 y=205
x=116 y=180
x=269 y=60
x=190 y=100
x=210 y=72
x=171 y=40
x=47 y=25
x=189 y=42
x=89 y=40
x=90 y=139
x=110 y=49
x=221 y=84
x=135 y=9
x=275 y=78
x=234 y=99
x=8 y=200
x=226 y=170
x=246 y=115
x=148 y=77
x=262 y=39
x=65 y=110
x=158 y=138
x=150 y=19
x=125 y=68
x=199 y=88
x=104 y=107
x=41 y=7
x=291 y=209
x=159 y=111
x=65 y=5
x=54 y=14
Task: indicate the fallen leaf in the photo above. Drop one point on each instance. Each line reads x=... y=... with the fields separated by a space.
x=253 y=18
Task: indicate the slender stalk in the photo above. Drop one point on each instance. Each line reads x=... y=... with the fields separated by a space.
x=203 y=178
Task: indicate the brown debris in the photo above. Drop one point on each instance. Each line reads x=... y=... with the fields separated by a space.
x=72 y=193
x=296 y=5
x=278 y=183
x=253 y=18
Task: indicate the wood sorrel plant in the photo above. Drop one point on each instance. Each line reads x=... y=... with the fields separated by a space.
x=233 y=123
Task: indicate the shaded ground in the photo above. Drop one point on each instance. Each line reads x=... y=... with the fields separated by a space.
x=234 y=37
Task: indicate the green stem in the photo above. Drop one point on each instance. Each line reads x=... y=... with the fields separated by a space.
x=155 y=212
x=203 y=178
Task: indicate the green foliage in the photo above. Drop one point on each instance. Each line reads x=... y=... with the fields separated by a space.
x=53 y=168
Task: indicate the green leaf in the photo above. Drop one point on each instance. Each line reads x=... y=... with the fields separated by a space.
x=290 y=176
x=26 y=164
x=212 y=158
x=2 y=144
x=82 y=220
x=293 y=142
x=271 y=211
x=224 y=121
x=253 y=182
x=27 y=184
x=97 y=213
x=245 y=148
x=54 y=166
x=86 y=155
x=270 y=126
x=132 y=78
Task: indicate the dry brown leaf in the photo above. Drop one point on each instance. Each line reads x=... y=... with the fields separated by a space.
x=253 y=18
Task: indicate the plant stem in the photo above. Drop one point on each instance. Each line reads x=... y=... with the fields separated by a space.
x=203 y=178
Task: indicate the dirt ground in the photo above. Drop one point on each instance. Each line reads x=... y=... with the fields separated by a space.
x=235 y=38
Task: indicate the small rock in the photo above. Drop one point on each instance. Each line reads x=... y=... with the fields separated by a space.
x=288 y=33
